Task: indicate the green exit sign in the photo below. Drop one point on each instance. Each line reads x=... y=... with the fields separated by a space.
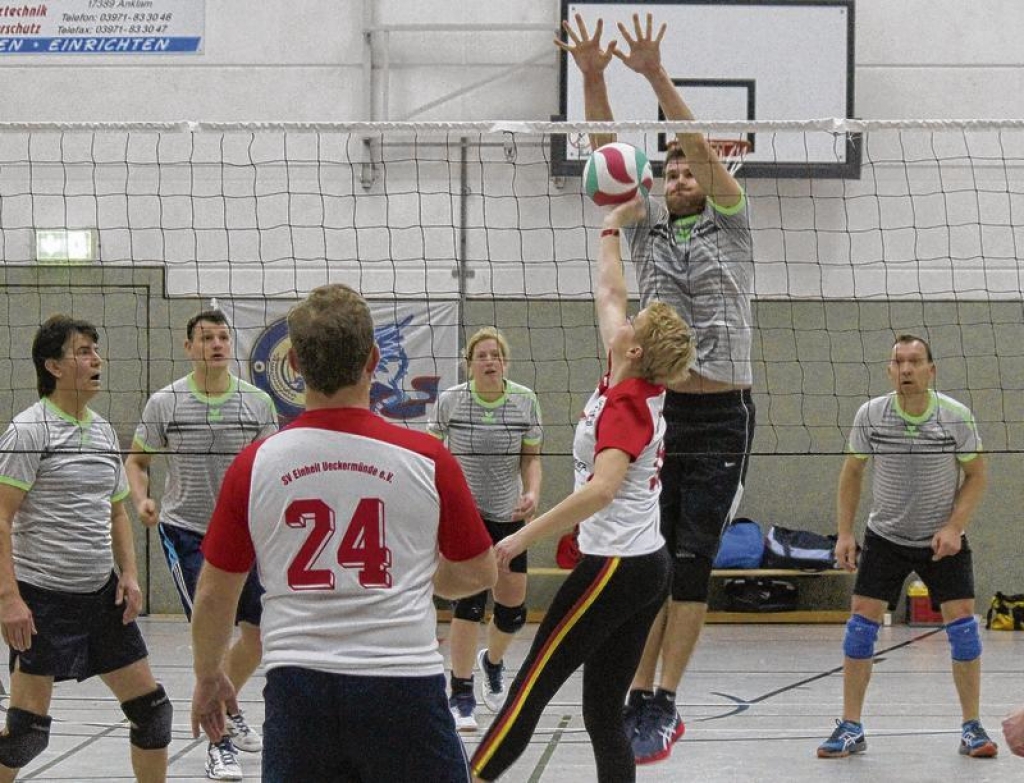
x=66 y=246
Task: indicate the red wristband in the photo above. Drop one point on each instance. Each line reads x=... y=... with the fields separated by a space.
x=609 y=232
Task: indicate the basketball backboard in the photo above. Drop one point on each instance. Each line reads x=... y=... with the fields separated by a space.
x=733 y=60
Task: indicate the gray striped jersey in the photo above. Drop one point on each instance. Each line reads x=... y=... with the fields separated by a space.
x=487 y=439
x=702 y=265
x=71 y=472
x=915 y=473
x=201 y=436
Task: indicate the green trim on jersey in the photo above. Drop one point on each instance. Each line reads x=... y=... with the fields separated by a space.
x=10 y=482
x=484 y=403
x=57 y=411
x=216 y=401
x=912 y=420
x=682 y=227
x=967 y=416
x=145 y=446
x=955 y=405
x=738 y=207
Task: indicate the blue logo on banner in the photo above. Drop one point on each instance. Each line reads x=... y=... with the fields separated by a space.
x=388 y=396
x=272 y=373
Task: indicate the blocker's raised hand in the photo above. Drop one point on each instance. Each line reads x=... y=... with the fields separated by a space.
x=590 y=58
x=644 y=55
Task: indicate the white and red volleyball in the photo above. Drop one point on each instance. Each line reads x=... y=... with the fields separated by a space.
x=614 y=172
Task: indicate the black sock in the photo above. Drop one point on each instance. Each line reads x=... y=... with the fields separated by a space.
x=666 y=699
x=638 y=697
x=461 y=685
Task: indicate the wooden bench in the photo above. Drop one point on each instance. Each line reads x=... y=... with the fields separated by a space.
x=797 y=616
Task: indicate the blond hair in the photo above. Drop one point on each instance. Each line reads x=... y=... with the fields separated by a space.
x=668 y=345
x=332 y=333
x=487 y=333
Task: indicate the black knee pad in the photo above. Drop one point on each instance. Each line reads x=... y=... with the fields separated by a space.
x=25 y=737
x=509 y=619
x=691 y=577
x=471 y=608
x=152 y=717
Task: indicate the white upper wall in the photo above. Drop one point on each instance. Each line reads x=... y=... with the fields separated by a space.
x=268 y=214
x=931 y=59
x=304 y=61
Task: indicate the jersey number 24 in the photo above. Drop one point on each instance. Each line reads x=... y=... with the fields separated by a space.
x=362 y=544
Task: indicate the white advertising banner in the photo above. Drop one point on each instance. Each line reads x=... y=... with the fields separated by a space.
x=102 y=27
x=418 y=341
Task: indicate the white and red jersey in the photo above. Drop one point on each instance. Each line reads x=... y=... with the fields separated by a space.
x=345 y=515
x=628 y=417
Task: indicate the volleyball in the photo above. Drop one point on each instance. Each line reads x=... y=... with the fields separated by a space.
x=614 y=172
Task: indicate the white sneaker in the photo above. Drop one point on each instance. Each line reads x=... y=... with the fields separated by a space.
x=462 y=707
x=222 y=761
x=243 y=736
x=492 y=683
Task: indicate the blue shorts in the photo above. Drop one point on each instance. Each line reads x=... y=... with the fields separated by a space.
x=339 y=727
x=184 y=555
x=78 y=635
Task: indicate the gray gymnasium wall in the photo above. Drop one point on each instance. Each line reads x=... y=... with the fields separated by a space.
x=837 y=349
x=555 y=350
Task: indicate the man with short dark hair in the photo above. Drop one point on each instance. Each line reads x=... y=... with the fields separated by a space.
x=200 y=422
x=355 y=524
x=69 y=587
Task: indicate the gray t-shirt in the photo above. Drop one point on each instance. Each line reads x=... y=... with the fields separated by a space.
x=487 y=438
x=201 y=436
x=702 y=265
x=72 y=473
x=915 y=472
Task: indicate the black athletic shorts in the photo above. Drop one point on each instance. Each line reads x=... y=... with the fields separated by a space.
x=78 y=635
x=502 y=530
x=707 y=447
x=884 y=567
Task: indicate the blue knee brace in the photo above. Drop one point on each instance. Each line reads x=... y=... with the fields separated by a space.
x=964 y=639
x=861 y=633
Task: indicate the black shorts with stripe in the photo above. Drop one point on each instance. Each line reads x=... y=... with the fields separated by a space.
x=707 y=449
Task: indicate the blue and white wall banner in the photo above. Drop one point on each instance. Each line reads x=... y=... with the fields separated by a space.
x=419 y=347
x=102 y=27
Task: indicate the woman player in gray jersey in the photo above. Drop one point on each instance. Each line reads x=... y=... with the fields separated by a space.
x=69 y=586
x=493 y=427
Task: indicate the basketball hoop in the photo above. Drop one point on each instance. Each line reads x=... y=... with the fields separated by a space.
x=731 y=152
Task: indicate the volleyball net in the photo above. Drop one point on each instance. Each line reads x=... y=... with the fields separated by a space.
x=449 y=227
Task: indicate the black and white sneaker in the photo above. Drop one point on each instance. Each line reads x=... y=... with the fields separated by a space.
x=243 y=736
x=222 y=761
x=492 y=684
